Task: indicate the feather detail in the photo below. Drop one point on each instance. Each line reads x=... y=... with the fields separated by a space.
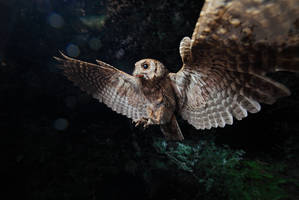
x=118 y=90
x=234 y=45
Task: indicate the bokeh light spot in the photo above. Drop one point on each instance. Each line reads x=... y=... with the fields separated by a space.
x=60 y=124
x=95 y=43
x=55 y=20
x=73 y=50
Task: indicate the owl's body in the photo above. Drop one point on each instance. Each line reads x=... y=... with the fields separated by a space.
x=234 y=45
x=161 y=99
x=161 y=106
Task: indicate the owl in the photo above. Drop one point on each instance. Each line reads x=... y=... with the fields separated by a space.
x=234 y=45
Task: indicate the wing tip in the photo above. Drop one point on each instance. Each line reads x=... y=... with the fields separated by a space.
x=62 y=61
x=57 y=59
x=63 y=57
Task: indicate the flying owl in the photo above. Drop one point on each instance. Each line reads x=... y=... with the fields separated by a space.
x=234 y=45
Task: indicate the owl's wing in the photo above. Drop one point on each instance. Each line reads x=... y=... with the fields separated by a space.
x=118 y=90
x=234 y=44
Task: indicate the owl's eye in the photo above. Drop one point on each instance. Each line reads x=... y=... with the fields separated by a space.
x=145 y=66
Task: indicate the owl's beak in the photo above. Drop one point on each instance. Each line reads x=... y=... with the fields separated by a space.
x=139 y=75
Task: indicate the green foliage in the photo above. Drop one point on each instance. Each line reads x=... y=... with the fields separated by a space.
x=259 y=181
x=223 y=173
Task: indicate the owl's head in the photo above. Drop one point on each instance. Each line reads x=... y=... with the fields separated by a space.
x=149 y=69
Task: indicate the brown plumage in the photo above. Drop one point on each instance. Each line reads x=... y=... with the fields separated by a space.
x=234 y=45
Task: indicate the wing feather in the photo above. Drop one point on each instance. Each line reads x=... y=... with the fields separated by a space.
x=116 y=89
x=234 y=44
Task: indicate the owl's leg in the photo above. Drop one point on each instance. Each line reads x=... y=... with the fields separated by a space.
x=171 y=130
x=140 y=122
x=144 y=122
x=155 y=117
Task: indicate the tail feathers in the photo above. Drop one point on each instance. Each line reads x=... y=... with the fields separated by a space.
x=171 y=130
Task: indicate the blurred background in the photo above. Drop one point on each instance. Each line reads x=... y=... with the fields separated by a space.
x=59 y=143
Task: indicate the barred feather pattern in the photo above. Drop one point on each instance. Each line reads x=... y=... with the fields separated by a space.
x=116 y=89
x=248 y=36
x=213 y=98
x=234 y=45
x=209 y=100
x=185 y=50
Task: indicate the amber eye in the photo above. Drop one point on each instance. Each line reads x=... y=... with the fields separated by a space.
x=145 y=66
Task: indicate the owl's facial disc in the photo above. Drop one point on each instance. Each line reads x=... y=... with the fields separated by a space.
x=149 y=69
x=143 y=69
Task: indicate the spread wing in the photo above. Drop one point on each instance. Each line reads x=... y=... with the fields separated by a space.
x=118 y=90
x=234 y=44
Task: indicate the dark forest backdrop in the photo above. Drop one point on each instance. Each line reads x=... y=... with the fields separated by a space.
x=62 y=144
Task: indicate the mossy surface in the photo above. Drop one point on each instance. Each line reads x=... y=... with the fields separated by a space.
x=226 y=173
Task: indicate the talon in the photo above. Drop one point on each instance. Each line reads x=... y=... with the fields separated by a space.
x=145 y=125
x=148 y=122
x=143 y=121
x=137 y=123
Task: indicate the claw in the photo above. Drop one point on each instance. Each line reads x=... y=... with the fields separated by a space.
x=148 y=123
x=143 y=121
x=145 y=125
x=137 y=123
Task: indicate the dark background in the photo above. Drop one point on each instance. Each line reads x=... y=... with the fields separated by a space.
x=61 y=143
